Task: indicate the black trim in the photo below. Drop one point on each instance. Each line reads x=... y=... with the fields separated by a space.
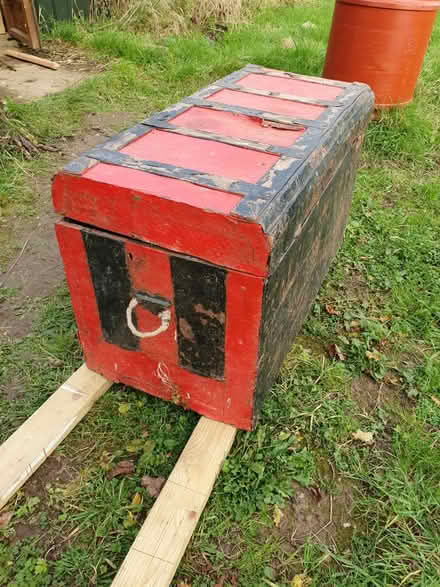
x=262 y=201
x=263 y=114
x=227 y=140
x=154 y=303
x=224 y=184
x=200 y=306
x=236 y=87
x=111 y=282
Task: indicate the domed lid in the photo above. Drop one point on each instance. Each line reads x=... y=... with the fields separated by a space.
x=416 y=5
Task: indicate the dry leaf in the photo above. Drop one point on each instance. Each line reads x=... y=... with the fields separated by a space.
x=316 y=492
x=384 y=319
x=366 y=437
x=436 y=400
x=373 y=355
x=137 y=499
x=288 y=43
x=5 y=518
x=331 y=310
x=152 y=484
x=129 y=521
x=300 y=581
x=122 y=468
x=390 y=379
x=334 y=351
x=355 y=326
x=183 y=584
x=124 y=408
x=277 y=516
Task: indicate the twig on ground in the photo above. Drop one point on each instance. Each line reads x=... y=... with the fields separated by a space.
x=330 y=519
x=12 y=267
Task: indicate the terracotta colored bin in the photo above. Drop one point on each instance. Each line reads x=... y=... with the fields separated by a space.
x=381 y=43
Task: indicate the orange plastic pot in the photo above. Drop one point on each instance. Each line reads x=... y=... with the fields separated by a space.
x=381 y=43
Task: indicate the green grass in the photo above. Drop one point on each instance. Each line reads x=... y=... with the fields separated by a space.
x=380 y=305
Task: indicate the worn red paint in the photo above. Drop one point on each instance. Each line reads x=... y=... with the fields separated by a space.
x=275 y=105
x=290 y=86
x=235 y=125
x=225 y=240
x=164 y=187
x=203 y=155
x=154 y=368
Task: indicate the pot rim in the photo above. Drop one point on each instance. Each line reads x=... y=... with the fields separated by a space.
x=413 y=5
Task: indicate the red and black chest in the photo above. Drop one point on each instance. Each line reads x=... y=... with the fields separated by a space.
x=195 y=242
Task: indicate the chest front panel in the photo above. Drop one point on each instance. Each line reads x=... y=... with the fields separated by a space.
x=174 y=326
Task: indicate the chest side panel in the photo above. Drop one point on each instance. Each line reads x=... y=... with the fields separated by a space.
x=291 y=289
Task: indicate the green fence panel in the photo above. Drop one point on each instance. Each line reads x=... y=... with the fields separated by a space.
x=61 y=9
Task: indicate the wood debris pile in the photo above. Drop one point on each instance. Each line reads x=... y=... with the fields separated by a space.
x=15 y=138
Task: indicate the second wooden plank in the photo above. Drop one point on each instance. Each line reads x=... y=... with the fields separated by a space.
x=158 y=549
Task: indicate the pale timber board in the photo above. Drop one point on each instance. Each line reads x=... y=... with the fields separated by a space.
x=142 y=569
x=158 y=549
x=23 y=452
x=32 y=59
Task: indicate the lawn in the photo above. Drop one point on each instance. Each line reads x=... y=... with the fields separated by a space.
x=340 y=482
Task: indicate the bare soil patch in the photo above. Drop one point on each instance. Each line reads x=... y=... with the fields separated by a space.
x=54 y=474
x=313 y=515
x=25 y=82
x=39 y=270
x=370 y=395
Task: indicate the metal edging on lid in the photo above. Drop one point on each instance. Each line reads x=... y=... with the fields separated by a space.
x=411 y=5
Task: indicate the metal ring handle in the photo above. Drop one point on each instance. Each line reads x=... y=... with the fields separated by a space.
x=165 y=318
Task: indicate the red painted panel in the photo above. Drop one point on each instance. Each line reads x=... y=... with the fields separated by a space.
x=79 y=280
x=235 y=125
x=225 y=241
x=164 y=187
x=138 y=370
x=295 y=87
x=155 y=370
x=203 y=155
x=267 y=104
x=243 y=311
x=150 y=273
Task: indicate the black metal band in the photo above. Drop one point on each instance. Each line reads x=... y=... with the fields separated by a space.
x=241 y=188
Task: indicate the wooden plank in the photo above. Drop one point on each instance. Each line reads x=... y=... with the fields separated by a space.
x=2 y=24
x=32 y=59
x=33 y=29
x=37 y=438
x=158 y=548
